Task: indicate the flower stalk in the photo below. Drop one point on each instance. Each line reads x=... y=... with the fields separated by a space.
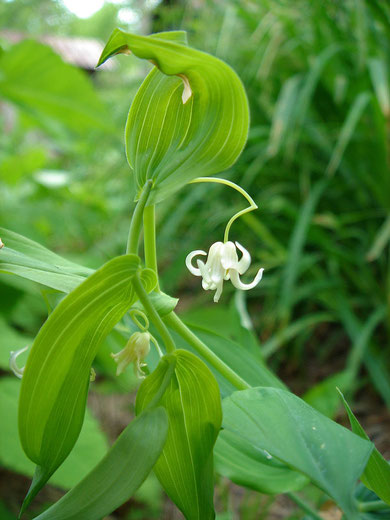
x=153 y=315
x=252 y=205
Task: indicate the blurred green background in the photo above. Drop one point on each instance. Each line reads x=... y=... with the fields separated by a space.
x=317 y=163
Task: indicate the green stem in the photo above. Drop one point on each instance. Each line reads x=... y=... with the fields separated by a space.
x=305 y=507
x=175 y=323
x=153 y=314
x=172 y=320
x=136 y=220
x=252 y=204
x=150 y=240
x=375 y=505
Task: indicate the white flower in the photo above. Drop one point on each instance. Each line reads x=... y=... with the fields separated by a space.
x=135 y=351
x=222 y=264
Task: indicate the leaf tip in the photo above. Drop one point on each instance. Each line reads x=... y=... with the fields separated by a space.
x=39 y=480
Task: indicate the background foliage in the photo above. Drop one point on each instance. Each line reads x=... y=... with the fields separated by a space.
x=317 y=164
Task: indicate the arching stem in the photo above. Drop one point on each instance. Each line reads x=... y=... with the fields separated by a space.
x=153 y=315
x=236 y=187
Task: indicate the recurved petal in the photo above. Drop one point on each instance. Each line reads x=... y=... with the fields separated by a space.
x=235 y=278
x=193 y=270
x=245 y=261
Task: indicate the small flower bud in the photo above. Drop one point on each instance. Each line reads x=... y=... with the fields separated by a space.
x=135 y=351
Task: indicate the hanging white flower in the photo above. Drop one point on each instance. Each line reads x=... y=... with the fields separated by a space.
x=222 y=264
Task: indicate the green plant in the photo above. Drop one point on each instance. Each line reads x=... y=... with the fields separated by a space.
x=190 y=116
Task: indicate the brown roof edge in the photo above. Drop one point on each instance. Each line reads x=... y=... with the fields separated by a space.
x=81 y=52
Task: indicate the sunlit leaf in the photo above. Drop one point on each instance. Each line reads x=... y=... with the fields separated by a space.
x=119 y=474
x=28 y=259
x=190 y=116
x=56 y=378
x=192 y=401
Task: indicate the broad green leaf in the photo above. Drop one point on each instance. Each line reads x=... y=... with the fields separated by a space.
x=192 y=401
x=243 y=362
x=376 y=476
x=119 y=474
x=56 y=378
x=26 y=258
x=290 y=430
x=35 y=78
x=90 y=447
x=190 y=116
x=249 y=467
